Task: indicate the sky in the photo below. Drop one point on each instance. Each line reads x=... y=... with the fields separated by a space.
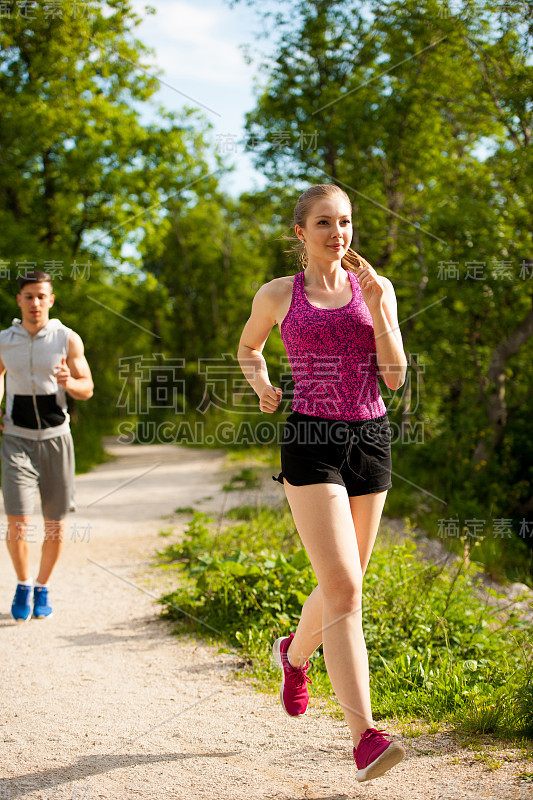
x=197 y=48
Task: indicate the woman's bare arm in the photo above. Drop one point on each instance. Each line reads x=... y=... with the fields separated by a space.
x=265 y=314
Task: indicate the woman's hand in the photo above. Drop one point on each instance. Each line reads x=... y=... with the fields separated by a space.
x=270 y=399
x=371 y=285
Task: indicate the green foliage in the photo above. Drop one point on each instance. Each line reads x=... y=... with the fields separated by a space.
x=246 y=512
x=84 y=164
x=247 y=478
x=82 y=177
x=508 y=711
x=435 y=649
x=270 y=529
x=226 y=252
x=88 y=446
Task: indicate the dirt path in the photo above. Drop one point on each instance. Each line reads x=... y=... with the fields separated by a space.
x=101 y=702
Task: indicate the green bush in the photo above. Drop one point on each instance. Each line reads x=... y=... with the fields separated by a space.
x=435 y=648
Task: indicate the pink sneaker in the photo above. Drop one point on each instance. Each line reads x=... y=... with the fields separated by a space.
x=293 y=693
x=375 y=754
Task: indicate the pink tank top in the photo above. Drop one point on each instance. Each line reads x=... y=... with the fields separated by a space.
x=332 y=354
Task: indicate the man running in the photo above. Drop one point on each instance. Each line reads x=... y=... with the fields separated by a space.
x=43 y=361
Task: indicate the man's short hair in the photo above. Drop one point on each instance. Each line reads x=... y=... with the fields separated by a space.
x=35 y=276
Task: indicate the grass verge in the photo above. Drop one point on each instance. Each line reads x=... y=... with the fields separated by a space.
x=437 y=651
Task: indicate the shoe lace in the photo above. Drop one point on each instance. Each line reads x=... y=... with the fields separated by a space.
x=370 y=732
x=298 y=677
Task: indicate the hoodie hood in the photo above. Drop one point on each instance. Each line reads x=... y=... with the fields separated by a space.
x=51 y=326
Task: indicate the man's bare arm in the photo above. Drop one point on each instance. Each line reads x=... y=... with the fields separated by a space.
x=74 y=373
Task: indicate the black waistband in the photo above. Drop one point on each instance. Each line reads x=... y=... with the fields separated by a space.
x=352 y=423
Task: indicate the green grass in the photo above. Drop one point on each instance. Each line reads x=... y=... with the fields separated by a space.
x=246 y=512
x=247 y=478
x=436 y=651
x=266 y=454
x=504 y=557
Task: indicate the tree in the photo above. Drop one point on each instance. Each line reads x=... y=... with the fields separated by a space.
x=81 y=175
x=77 y=164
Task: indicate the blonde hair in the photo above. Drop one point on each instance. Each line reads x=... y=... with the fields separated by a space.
x=351 y=261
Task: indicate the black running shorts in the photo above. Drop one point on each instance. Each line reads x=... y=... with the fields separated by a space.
x=356 y=455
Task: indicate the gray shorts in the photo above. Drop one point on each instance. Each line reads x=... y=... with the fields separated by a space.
x=48 y=465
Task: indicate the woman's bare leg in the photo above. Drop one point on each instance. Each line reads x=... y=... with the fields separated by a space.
x=366 y=514
x=308 y=634
x=323 y=516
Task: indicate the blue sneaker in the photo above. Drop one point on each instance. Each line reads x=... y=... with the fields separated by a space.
x=41 y=606
x=21 y=606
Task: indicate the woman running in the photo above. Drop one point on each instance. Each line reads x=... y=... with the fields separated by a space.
x=338 y=322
